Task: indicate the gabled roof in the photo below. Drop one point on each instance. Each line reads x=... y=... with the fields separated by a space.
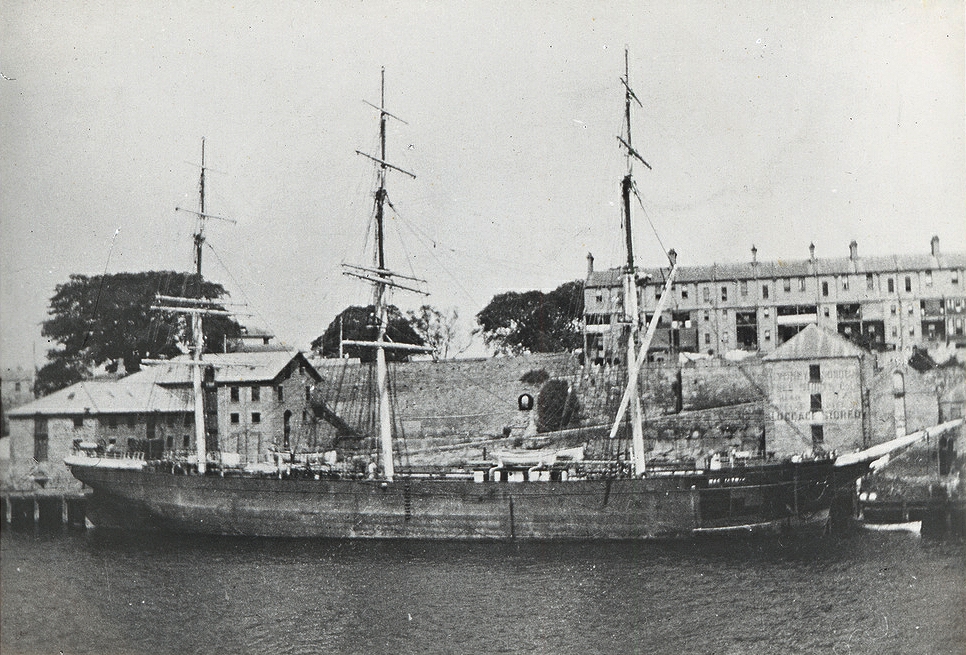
x=123 y=396
x=150 y=390
x=814 y=342
x=610 y=277
x=248 y=367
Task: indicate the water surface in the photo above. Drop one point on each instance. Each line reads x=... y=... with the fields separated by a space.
x=102 y=592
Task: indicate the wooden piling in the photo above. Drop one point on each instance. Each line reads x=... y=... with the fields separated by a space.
x=24 y=510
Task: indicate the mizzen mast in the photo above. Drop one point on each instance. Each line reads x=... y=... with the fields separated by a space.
x=636 y=354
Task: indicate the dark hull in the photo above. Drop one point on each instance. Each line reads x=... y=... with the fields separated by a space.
x=422 y=508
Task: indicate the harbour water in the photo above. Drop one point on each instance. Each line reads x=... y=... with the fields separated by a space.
x=862 y=592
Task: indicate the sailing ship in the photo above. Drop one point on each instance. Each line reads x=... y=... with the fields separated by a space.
x=514 y=495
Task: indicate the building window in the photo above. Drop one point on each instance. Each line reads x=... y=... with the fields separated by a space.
x=78 y=421
x=787 y=284
x=16 y=386
x=825 y=288
x=818 y=435
x=767 y=335
x=40 y=439
x=600 y=296
x=826 y=312
x=801 y=284
x=767 y=312
x=744 y=287
x=869 y=282
x=684 y=292
x=234 y=394
x=707 y=315
x=764 y=291
x=308 y=394
x=845 y=283
x=707 y=338
x=280 y=393
x=908 y=283
x=895 y=331
x=256 y=393
x=928 y=278
x=256 y=417
x=959 y=327
x=892 y=308
x=235 y=417
x=891 y=285
x=814 y=372
x=955 y=279
x=815 y=402
x=707 y=294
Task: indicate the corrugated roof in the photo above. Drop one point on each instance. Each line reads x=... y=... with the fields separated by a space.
x=123 y=396
x=230 y=368
x=814 y=342
x=149 y=389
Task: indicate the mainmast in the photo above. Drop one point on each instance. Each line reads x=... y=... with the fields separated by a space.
x=382 y=279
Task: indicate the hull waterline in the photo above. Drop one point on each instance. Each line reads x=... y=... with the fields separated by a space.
x=427 y=508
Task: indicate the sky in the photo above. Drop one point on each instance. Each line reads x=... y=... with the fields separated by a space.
x=768 y=124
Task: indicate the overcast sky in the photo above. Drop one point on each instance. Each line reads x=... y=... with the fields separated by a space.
x=778 y=124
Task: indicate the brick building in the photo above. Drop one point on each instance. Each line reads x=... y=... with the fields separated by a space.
x=826 y=392
x=256 y=400
x=16 y=389
x=889 y=303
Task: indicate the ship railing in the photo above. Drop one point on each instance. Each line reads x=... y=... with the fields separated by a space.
x=98 y=451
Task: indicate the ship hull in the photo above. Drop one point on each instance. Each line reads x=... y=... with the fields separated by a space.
x=426 y=508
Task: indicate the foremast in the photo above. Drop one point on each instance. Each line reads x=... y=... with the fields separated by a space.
x=197 y=308
x=636 y=355
x=383 y=280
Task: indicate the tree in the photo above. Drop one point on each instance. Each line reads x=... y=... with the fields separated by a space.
x=107 y=320
x=557 y=406
x=534 y=321
x=437 y=330
x=359 y=324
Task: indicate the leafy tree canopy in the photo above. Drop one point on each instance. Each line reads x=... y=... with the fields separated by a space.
x=107 y=320
x=534 y=321
x=436 y=329
x=359 y=324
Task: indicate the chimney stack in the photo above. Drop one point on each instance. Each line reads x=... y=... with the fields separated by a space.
x=934 y=246
x=853 y=250
x=811 y=251
x=590 y=264
x=754 y=255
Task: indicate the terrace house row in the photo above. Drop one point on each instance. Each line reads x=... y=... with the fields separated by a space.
x=892 y=302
